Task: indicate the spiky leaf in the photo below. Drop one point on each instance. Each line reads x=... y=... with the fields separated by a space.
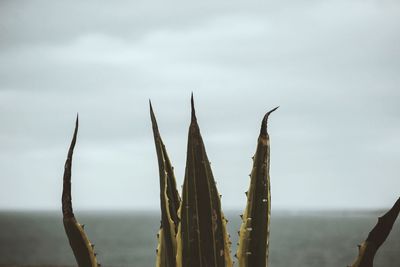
x=254 y=231
x=202 y=236
x=378 y=235
x=81 y=246
x=169 y=202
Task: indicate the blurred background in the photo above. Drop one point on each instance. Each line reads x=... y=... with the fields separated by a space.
x=332 y=67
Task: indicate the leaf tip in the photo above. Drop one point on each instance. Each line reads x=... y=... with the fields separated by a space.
x=264 y=122
x=193 y=109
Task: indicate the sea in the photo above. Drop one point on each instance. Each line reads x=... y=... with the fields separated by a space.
x=128 y=238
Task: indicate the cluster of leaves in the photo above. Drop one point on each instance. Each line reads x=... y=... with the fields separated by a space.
x=193 y=228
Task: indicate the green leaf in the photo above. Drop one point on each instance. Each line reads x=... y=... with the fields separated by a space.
x=202 y=236
x=377 y=236
x=169 y=202
x=82 y=248
x=254 y=231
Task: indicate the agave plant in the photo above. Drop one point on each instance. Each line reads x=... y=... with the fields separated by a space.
x=202 y=237
x=193 y=230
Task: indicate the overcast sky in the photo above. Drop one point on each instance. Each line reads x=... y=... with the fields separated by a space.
x=332 y=66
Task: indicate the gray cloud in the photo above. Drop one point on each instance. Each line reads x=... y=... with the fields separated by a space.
x=332 y=66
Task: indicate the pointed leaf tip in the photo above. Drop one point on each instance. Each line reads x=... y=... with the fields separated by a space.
x=264 y=122
x=193 y=109
x=151 y=107
x=153 y=120
x=76 y=126
x=66 y=194
x=73 y=141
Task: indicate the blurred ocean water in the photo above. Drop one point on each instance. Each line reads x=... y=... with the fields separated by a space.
x=301 y=239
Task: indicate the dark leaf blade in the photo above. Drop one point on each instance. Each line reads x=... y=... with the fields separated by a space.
x=254 y=232
x=169 y=202
x=82 y=248
x=202 y=238
x=376 y=237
